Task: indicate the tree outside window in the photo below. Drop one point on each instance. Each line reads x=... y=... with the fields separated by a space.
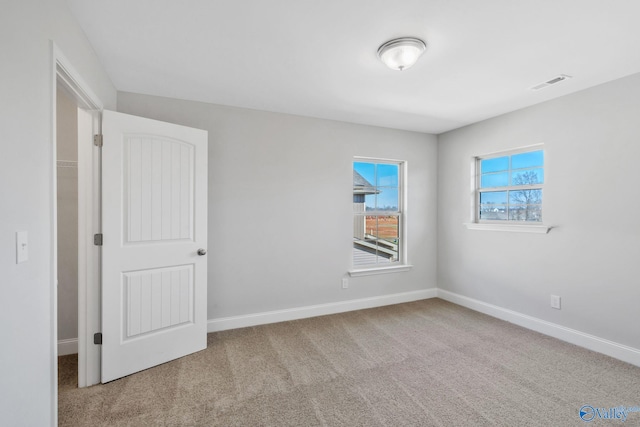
x=510 y=187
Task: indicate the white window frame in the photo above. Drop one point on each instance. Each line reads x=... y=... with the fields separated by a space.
x=401 y=263
x=504 y=225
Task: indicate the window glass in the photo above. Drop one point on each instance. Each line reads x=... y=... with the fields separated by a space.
x=527 y=160
x=527 y=177
x=510 y=187
x=493 y=205
x=493 y=197
x=525 y=213
x=377 y=213
x=387 y=175
x=525 y=197
x=370 y=201
x=494 y=180
x=496 y=164
x=366 y=170
x=388 y=199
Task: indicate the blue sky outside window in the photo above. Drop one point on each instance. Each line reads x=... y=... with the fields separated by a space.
x=493 y=197
x=494 y=180
x=385 y=178
x=527 y=160
x=510 y=187
x=497 y=164
x=518 y=169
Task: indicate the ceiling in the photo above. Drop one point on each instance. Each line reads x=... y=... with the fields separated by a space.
x=318 y=58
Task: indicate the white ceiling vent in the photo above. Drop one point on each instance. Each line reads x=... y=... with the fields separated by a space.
x=553 y=81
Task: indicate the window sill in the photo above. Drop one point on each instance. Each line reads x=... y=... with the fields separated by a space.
x=517 y=228
x=379 y=270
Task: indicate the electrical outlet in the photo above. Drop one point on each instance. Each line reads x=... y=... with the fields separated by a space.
x=345 y=283
x=555 y=302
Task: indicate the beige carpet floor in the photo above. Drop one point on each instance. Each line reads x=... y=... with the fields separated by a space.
x=426 y=363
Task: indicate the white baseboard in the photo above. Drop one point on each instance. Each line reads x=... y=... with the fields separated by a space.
x=243 y=321
x=591 y=342
x=68 y=346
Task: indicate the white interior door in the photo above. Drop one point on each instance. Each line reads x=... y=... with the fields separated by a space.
x=154 y=225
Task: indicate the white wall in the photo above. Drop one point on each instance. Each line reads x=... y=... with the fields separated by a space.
x=280 y=204
x=26 y=97
x=67 y=197
x=591 y=196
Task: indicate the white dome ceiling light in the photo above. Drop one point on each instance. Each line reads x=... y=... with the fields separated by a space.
x=400 y=54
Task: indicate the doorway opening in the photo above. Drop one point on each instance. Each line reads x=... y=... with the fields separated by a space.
x=67 y=231
x=75 y=219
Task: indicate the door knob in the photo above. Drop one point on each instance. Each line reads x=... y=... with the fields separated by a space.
x=202 y=251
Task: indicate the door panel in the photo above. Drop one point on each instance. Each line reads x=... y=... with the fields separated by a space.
x=158 y=178
x=154 y=288
x=157 y=299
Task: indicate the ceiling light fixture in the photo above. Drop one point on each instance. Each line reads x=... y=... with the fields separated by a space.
x=400 y=54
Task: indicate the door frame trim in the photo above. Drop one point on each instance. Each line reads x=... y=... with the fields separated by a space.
x=63 y=73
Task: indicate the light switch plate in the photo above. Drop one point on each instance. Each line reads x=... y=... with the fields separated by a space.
x=22 y=246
